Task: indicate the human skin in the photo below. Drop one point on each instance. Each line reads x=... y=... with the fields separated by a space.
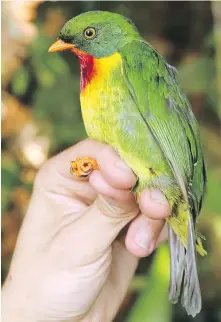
x=68 y=264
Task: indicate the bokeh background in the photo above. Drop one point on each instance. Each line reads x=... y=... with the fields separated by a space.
x=41 y=116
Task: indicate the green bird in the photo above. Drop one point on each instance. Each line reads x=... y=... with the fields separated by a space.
x=131 y=100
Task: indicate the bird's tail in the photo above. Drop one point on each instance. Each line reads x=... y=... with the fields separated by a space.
x=184 y=280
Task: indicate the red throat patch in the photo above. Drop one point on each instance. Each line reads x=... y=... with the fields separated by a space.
x=87 y=66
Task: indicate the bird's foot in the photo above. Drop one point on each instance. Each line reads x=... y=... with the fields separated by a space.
x=82 y=167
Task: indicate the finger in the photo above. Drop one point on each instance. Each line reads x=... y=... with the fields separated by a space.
x=142 y=235
x=112 y=167
x=101 y=186
x=55 y=175
x=163 y=235
x=115 y=171
x=154 y=204
x=61 y=162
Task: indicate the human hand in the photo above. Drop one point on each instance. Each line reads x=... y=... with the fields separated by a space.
x=68 y=265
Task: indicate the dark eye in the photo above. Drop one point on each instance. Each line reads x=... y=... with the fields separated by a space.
x=89 y=33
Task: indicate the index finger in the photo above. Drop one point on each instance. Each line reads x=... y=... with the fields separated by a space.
x=62 y=161
x=115 y=171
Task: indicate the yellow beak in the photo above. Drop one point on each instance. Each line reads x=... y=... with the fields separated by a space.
x=60 y=45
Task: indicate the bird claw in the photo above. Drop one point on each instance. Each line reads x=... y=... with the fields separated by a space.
x=82 y=167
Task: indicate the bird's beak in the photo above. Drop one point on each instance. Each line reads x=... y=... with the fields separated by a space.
x=60 y=45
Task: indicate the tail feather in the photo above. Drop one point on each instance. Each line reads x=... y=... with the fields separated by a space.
x=191 y=297
x=177 y=258
x=184 y=278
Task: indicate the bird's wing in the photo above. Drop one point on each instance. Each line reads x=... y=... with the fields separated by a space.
x=167 y=113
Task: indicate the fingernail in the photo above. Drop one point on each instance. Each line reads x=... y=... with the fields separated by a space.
x=122 y=166
x=157 y=196
x=143 y=239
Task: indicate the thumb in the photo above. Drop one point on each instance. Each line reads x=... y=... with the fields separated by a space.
x=102 y=223
x=96 y=229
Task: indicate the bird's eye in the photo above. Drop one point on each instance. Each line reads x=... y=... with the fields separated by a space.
x=89 y=33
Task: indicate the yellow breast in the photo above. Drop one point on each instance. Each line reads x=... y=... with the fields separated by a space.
x=95 y=96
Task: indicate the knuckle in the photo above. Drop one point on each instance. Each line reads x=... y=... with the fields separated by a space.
x=107 y=152
x=42 y=176
x=110 y=208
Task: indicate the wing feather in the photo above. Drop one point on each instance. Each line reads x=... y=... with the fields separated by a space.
x=167 y=113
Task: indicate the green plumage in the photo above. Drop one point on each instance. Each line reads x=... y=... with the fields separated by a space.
x=167 y=114
x=142 y=112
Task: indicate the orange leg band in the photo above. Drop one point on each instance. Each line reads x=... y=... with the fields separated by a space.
x=82 y=167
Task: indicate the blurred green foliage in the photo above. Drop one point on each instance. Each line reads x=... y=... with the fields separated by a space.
x=153 y=304
x=10 y=179
x=45 y=92
x=212 y=200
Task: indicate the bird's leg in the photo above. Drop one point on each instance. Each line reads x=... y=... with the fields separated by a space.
x=82 y=167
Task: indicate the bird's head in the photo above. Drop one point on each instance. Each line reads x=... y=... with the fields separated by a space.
x=96 y=33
